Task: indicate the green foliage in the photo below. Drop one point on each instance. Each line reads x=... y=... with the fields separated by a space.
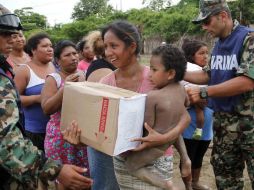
x=242 y=10
x=86 y=8
x=146 y=20
x=157 y=5
x=118 y=15
x=76 y=30
x=31 y=20
x=32 y=32
x=194 y=3
x=167 y=23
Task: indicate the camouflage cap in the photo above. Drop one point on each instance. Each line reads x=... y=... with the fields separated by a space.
x=209 y=7
x=9 y=23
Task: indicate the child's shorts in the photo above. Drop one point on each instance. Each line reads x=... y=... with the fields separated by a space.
x=163 y=167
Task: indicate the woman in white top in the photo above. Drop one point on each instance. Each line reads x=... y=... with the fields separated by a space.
x=29 y=80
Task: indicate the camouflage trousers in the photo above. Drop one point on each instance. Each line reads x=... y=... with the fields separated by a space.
x=233 y=146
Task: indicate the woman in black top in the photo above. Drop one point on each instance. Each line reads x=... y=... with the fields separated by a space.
x=99 y=67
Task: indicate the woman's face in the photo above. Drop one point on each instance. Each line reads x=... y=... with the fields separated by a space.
x=68 y=60
x=201 y=56
x=87 y=53
x=116 y=51
x=18 y=41
x=44 y=51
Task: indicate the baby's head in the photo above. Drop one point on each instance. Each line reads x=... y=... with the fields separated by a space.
x=171 y=59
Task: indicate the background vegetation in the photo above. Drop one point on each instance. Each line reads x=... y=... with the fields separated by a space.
x=159 y=19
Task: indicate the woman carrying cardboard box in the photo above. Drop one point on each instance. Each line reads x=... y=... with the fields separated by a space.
x=122 y=47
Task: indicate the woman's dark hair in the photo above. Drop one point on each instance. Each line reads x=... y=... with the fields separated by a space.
x=172 y=58
x=33 y=42
x=80 y=45
x=59 y=47
x=126 y=32
x=190 y=47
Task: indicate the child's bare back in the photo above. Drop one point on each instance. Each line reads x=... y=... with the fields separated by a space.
x=164 y=108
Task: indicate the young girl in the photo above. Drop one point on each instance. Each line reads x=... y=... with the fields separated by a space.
x=86 y=54
x=51 y=102
x=196 y=53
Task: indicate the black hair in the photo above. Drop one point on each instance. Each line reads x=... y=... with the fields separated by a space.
x=80 y=45
x=126 y=32
x=190 y=47
x=33 y=42
x=172 y=58
x=59 y=47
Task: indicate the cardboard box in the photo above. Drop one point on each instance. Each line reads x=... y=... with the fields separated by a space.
x=109 y=117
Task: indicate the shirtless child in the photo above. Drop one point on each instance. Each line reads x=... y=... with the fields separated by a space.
x=164 y=107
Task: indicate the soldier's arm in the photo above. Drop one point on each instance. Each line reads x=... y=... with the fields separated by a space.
x=246 y=67
x=18 y=155
x=197 y=77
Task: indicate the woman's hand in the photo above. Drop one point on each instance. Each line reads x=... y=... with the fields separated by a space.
x=151 y=140
x=72 y=133
x=72 y=78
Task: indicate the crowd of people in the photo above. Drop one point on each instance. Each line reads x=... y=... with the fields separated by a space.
x=194 y=96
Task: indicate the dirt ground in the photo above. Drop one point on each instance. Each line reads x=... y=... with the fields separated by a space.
x=207 y=176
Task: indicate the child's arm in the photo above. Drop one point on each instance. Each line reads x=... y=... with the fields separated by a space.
x=150 y=108
x=155 y=139
x=187 y=101
x=200 y=117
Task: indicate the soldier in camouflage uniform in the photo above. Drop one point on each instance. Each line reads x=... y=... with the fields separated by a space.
x=22 y=165
x=230 y=76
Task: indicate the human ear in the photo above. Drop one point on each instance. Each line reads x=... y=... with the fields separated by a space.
x=171 y=74
x=33 y=51
x=133 y=47
x=223 y=15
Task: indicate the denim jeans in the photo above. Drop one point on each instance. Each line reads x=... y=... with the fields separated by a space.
x=101 y=170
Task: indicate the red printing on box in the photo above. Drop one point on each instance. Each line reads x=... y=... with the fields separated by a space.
x=104 y=112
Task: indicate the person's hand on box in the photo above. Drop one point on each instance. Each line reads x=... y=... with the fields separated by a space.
x=72 y=133
x=151 y=140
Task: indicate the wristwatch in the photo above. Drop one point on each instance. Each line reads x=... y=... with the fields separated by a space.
x=203 y=93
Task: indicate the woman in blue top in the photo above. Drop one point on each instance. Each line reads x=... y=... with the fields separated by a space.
x=196 y=53
x=30 y=79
